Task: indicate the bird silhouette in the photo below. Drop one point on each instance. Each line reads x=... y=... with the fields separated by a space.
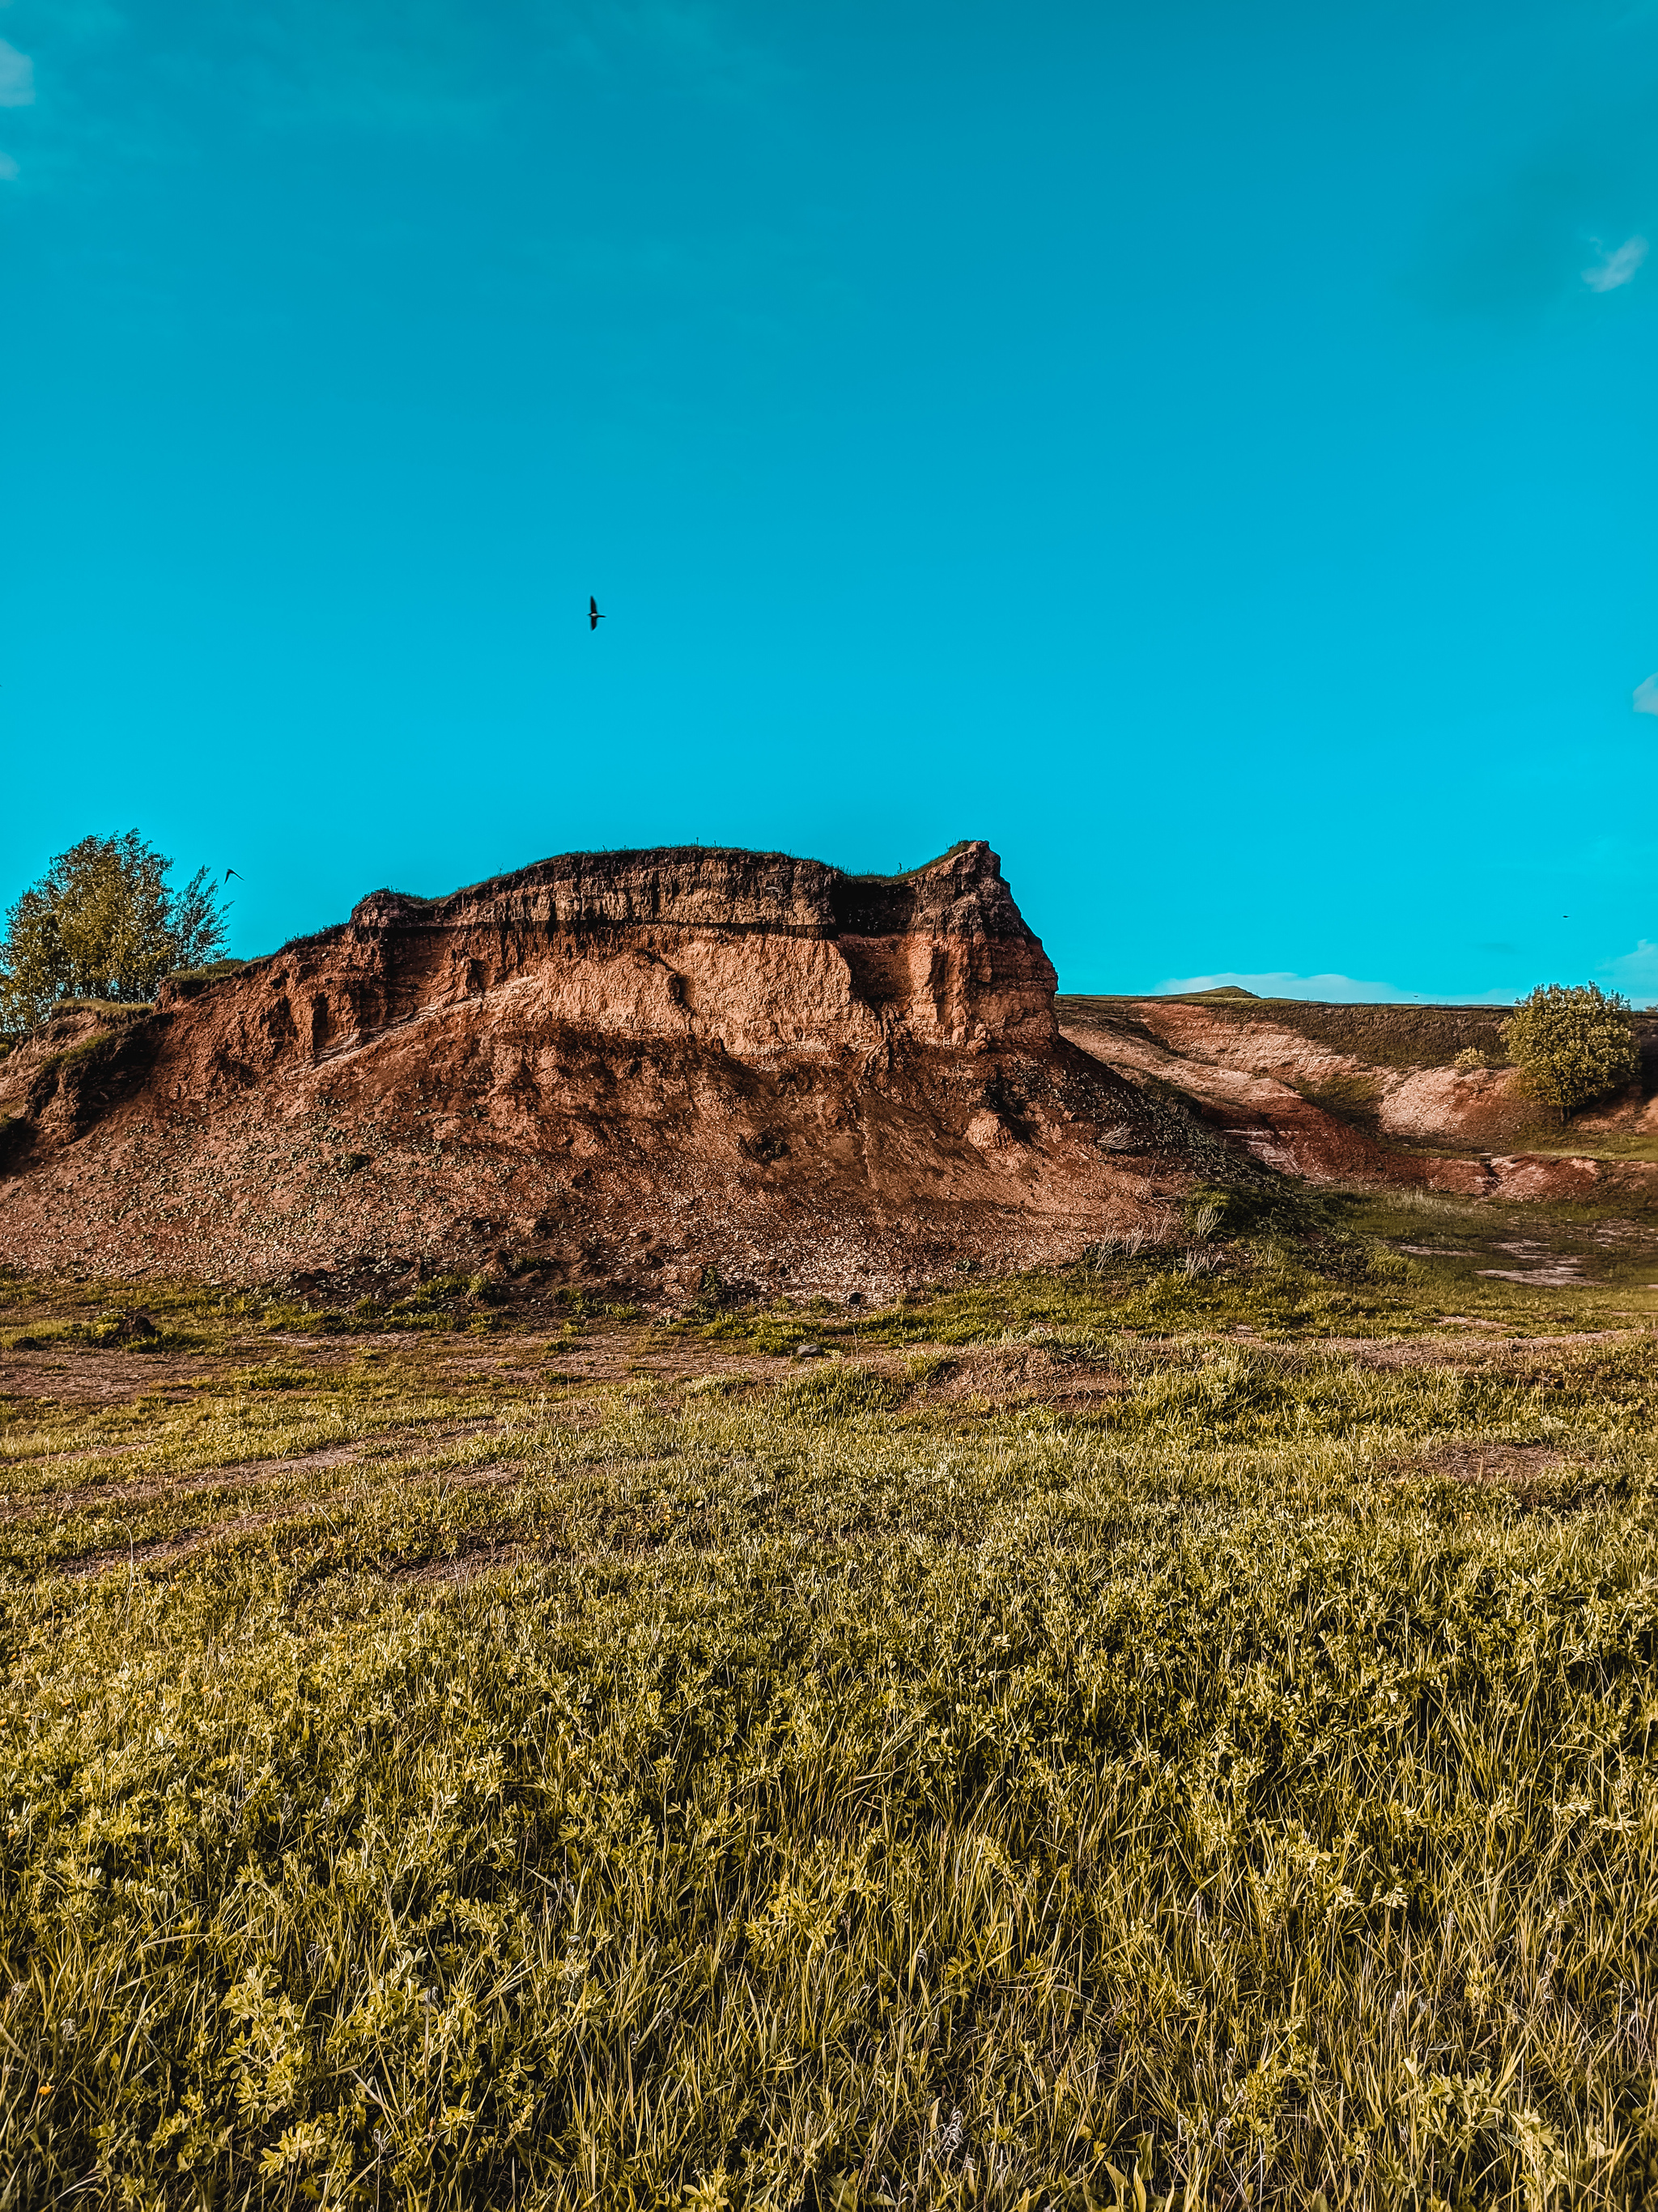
x=227 y=874
x=594 y=616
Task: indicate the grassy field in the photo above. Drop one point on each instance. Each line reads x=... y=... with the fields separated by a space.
x=1177 y=1731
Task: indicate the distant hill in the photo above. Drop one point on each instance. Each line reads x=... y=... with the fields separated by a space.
x=1372 y=1091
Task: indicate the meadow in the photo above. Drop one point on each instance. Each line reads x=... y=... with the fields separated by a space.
x=1176 y=1731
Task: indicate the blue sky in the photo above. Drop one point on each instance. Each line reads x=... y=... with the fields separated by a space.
x=1207 y=452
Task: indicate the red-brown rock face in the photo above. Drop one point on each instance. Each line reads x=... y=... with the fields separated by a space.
x=749 y=953
x=626 y=1066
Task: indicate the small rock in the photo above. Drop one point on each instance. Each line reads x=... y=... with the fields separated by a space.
x=808 y=1351
x=130 y=1327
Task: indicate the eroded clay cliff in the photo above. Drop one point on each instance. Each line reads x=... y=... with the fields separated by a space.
x=624 y=1069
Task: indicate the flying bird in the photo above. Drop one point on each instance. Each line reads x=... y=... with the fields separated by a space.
x=594 y=616
x=227 y=874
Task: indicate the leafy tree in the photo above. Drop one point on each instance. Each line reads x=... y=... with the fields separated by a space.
x=1572 y=1043
x=101 y=923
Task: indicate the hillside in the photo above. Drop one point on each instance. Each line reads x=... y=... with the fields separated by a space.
x=694 y=1073
x=1336 y=1092
x=622 y=1070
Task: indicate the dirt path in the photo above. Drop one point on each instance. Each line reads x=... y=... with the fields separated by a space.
x=386 y=1444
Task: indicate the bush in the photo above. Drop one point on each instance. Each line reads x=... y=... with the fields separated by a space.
x=1572 y=1043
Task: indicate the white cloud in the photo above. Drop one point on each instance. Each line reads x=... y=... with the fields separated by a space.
x=1635 y=973
x=7 y=168
x=16 y=78
x=1646 y=696
x=1616 y=268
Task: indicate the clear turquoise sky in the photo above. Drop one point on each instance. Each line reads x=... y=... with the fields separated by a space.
x=1208 y=451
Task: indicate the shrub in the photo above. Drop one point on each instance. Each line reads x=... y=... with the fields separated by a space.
x=1470 y=1058
x=1571 y=1042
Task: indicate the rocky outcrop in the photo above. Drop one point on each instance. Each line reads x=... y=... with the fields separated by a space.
x=750 y=953
x=624 y=1069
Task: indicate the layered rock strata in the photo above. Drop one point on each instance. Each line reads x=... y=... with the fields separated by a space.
x=621 y=1068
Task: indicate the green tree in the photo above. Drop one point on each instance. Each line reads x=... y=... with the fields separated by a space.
x=1572 y=1043
x=101 y=923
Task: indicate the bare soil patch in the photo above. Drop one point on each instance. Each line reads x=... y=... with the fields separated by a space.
x=465 y=1567
x=387 y=1446
x=85 y=1375
x=1525 y=1471
x=1491 y=1462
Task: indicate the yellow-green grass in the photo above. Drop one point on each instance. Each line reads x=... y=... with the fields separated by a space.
x=1638 y=1143
x=1352 y=1284
x=1227 y=1765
